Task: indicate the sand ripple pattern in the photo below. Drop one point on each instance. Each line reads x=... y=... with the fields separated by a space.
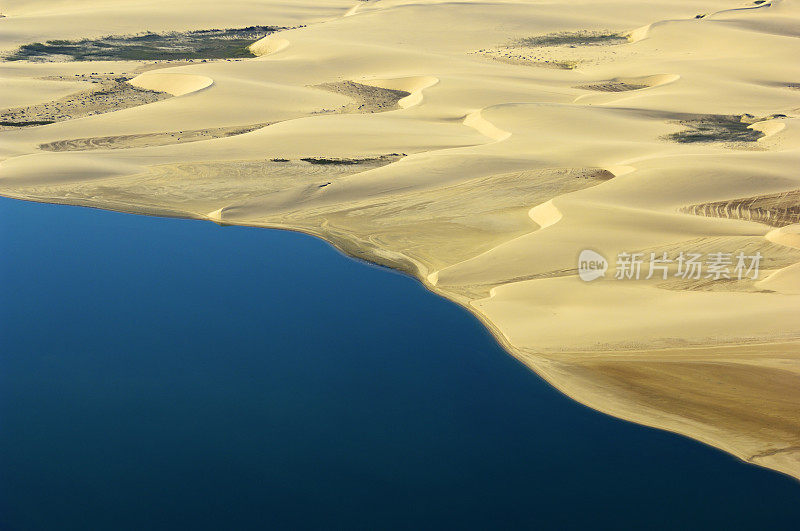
x=148 y=139
x=775 y=210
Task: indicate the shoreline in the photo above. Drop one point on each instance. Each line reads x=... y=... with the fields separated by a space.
x=524 y=358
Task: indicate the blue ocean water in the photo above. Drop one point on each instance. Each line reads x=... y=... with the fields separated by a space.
x=173 y=374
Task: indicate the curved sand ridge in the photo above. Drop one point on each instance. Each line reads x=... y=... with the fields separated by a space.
x=787 y=279
x=623 y=84
x=353 y=10
x=506 y=178
x=788 y=235
x=269 y=45
x=176 y=84
x=612 y=88
x=476 y=121
x=546 y=214
x=414 y=85
x=769 y=127
x=640 y=34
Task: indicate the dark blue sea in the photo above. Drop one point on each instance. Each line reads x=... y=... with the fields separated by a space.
x=173 y=374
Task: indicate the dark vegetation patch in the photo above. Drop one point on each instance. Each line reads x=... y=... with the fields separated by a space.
x=597 y=174
x=718 y=128
x=572 y=38
x=367 y=98
x=613 y=86
x=323 y=160
x=200 y=44
x=25 y=124
x=112 y=93
x=343 y=161
x=346 y=161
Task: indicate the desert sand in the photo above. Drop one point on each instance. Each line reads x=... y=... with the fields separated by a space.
x=479 y=146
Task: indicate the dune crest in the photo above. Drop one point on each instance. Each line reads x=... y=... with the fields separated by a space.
x=546 y=214
x=414 y=85
x=476 y=121
x=269 y=45
x=176 y=84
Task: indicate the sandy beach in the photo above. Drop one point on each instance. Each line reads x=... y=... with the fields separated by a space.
x=480 y=147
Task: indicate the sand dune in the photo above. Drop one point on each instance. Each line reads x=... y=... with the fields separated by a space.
x=480 y=146
x=112 y=93
x=146 y=139
x=413 y=85
x=269 y=45
x=172 y=83
x=777 y=210
x=367 y=98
